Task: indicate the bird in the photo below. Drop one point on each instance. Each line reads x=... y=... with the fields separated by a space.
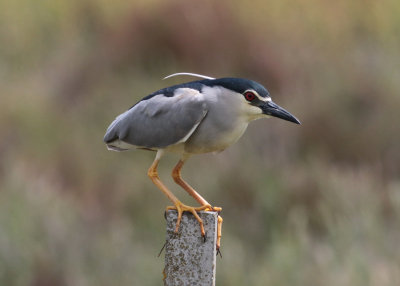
x=195 y=117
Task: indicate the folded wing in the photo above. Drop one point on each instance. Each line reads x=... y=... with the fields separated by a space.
x=157 y=122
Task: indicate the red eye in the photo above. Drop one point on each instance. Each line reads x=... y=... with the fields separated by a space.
x=249 y=96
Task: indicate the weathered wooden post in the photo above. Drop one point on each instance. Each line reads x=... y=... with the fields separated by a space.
x=189 y=260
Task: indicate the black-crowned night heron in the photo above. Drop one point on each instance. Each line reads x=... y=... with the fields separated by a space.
x=195 y=117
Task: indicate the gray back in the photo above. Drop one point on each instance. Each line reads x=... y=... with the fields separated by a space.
x=159 y=121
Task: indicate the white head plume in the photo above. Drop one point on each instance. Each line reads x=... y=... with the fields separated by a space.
x=189 y=74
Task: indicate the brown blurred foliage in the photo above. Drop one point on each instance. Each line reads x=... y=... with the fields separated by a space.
x=303 y=205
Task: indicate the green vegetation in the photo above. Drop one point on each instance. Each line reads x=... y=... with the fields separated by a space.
x=316 y=204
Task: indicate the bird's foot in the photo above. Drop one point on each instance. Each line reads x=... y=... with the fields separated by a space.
x=213 y=209
x=180 y=208
x=219 y=227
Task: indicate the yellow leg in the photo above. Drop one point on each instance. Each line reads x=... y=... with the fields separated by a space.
x=176 y=175
x=178 y=205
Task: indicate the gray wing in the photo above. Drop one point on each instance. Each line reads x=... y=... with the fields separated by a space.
x=159 y=121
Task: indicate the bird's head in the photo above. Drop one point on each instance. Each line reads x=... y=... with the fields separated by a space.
x=254 y=98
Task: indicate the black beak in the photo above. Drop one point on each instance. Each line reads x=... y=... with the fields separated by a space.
x=272 y=109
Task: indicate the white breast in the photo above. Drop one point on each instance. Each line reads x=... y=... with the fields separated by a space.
x=223 y=125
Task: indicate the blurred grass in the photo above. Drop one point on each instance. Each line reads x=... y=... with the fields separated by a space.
x=309 y=205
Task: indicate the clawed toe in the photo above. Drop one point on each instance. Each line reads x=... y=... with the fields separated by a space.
x=180 y=208
x=204 y=237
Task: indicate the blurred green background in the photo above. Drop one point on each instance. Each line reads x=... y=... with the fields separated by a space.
x=316 y=204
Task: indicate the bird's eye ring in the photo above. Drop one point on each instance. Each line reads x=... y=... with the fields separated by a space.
x=249 y=96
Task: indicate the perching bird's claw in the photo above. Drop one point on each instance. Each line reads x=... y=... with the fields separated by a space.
x=219 y=252
x=213 y=209
x=204 y=237
x=162 y=249
x=180 y=208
